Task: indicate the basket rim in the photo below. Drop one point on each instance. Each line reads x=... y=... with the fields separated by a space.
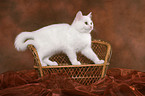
x=65 y=66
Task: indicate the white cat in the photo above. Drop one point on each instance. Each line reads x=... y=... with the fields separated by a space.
x=65 y=38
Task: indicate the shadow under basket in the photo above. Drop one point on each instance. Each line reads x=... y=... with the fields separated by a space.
x=86 y=73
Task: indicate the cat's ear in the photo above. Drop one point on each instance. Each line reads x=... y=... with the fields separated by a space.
x=78 y=15
x=90 y=15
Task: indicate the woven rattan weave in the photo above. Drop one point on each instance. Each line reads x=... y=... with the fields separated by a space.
x=87 y=73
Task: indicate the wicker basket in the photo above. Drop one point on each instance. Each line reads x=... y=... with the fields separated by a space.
x=87 y=73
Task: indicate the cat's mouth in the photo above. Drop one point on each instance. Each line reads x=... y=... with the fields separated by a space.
x=88 y=29
x=85 y=30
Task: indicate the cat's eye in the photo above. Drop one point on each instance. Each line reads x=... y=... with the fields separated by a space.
x=91 y=23
x=86 y=23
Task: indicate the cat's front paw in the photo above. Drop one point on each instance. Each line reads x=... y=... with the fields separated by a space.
x=76 y=63
x=99 y=62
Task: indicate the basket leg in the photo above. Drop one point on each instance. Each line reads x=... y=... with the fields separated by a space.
x=103 y=70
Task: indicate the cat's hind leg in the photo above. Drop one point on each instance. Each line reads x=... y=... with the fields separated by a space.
x=44 y=59
x=41 y=60
x=48 y=62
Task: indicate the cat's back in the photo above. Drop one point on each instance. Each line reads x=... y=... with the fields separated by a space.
x=54 y=28
x=52 y=33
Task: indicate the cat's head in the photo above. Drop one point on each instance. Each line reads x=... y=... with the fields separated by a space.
x=83 y=23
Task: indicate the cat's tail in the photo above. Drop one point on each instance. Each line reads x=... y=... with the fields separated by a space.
x=23 y=40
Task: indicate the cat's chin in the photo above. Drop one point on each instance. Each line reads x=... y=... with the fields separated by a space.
x=86 y=31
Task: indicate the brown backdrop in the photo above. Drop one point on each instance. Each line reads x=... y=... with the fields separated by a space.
x=120 y=22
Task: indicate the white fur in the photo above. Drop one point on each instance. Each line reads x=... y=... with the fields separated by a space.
x=65 y=38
